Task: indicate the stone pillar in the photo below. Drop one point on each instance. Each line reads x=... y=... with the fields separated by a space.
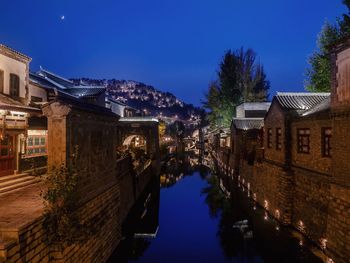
x=58 y=136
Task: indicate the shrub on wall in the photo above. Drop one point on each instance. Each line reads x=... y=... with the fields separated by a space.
x=61 y=221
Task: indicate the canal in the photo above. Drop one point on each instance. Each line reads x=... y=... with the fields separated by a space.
x=189 y=219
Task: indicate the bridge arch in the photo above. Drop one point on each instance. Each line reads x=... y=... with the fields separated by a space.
x=145 y=128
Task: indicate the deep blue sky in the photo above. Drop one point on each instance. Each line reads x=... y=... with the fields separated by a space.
x=174 y=45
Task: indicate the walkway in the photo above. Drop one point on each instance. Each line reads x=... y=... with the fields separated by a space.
x=20 y=207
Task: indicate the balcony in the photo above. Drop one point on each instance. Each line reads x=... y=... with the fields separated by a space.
x=13 y=122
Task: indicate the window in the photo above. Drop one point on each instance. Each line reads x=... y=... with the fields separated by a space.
x=269 y=138
x=36 y=143
x=1 y=81
x=14 y=85
x=304 y=140
x=36 y=99
x=278 y=138
x=326 y=142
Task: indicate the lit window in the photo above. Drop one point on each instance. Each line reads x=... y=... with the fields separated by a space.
x=278 y=138
x=326 y=142
x=36 y=143
x=304 y=140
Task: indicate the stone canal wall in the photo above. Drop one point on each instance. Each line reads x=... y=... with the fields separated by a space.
x=107 y=188
x=306 y=200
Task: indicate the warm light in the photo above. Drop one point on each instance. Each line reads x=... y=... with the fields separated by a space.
x=277 y=214
x=266 y=204
x=37 y=132
x=254 y=196
x=277 y=228
x=301 y=225
x=301 y=242
x=266 y=216
x=329 y=260
x=323 y=243
x=254 y=207
x=18 y=113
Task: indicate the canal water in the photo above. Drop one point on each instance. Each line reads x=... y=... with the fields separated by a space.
x=189 y=219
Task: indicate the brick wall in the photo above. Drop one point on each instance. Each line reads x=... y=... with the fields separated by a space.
x=313 y=160
x=103 y=201
x=275 y=119
x=338 y=228
x=103 y=210
x=311 y=203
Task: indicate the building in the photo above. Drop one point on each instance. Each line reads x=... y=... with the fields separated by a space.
x=23 y=132
x=121 y=109
x=301 y=175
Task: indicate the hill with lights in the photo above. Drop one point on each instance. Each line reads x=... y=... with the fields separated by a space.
x=145 y=98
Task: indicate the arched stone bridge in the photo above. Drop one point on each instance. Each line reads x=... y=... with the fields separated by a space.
x=146 y=127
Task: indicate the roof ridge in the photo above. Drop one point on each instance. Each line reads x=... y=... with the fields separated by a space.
x=303 y=93
x=54 y=74
x=15 y=51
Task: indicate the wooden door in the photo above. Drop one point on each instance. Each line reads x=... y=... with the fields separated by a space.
x=7 y=155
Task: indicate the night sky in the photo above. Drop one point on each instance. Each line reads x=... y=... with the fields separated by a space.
x=174 y=45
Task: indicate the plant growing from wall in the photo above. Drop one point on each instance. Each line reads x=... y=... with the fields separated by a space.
x=61 y=221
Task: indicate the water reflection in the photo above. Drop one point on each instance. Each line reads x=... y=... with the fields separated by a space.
x=179 y=166
x=199 y=223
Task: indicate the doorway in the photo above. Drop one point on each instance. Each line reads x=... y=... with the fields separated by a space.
x=7 y=155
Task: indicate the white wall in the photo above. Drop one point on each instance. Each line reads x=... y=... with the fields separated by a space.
x=10 y=65
x=117 y=109
x=37 y=92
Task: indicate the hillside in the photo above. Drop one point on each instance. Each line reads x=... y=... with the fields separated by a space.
x=145 y=98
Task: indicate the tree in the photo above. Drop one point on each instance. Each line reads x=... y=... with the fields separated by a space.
x=318 y=75
x=240 y=79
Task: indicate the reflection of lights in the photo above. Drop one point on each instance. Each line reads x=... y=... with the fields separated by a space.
x=254 y=207
x=266 y=216
x=254 y=196
x=301 y=242
x=277 y=228
x=329 y=260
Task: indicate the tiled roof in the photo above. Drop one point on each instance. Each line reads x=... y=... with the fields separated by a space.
x=57 y=80
x=321 y=107
x=300 y=100
x=248 y=123
x=7 y=102
x=41 y=81
x=86 y=92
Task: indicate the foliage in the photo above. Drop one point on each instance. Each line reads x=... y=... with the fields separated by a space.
x=61 y=221
x=240 y=79
x=318 y=75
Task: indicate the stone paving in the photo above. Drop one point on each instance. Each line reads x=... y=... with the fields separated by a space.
x=20 y=207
